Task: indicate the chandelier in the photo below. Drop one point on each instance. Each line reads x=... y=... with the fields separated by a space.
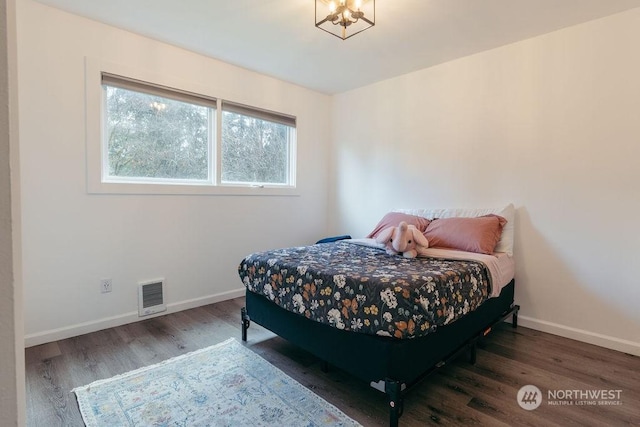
x=345 y=18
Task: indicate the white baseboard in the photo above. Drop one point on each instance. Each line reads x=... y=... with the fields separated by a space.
x=122 y=319
x=605 y=341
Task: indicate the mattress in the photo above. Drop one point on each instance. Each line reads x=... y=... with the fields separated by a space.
x=362 y=289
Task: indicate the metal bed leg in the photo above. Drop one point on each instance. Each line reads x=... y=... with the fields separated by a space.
x=514 y=317
x=245 y=321
x=394 y=392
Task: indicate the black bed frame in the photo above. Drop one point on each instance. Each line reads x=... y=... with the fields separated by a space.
x=390 y=365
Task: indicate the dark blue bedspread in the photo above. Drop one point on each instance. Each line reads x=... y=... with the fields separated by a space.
x=362 y=289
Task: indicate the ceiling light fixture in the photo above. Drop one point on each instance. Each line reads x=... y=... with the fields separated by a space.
x=337 y=17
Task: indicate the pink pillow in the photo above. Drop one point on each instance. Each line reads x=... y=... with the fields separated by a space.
x=480 y=234
x=392 y=219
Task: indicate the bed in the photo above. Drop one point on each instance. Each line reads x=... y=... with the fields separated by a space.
x=388 y=320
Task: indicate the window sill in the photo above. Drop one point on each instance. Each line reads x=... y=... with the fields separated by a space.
x=189 y=189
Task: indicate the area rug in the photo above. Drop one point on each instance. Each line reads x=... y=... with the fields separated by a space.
x=223 y=385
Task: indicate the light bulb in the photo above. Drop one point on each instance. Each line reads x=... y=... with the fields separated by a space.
x=332 y=7
x=358 y=4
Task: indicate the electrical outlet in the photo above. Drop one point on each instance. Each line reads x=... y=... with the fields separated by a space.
x=105 y=285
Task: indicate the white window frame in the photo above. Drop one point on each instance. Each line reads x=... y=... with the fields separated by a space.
x=99 y=183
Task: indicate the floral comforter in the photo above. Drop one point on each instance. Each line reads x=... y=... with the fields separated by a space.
x=362 y=289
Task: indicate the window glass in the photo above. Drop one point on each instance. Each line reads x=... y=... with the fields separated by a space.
x=156 y=138
x=255 y=150
x=152 y=133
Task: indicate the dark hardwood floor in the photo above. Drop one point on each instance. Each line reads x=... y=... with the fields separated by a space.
x=459 y=393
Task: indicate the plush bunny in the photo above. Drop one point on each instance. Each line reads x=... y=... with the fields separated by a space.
x=405 y=239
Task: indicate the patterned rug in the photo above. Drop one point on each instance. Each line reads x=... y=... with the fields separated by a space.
x=223 y=385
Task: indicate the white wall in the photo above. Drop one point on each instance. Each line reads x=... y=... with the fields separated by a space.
x=551 y=124
x=12 y=392
x=72 y=239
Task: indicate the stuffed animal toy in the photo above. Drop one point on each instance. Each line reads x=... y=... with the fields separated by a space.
x=404 y=239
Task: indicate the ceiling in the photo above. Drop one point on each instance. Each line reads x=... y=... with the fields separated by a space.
x=278 y=37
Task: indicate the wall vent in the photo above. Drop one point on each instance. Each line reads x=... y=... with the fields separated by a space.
x=151 y=297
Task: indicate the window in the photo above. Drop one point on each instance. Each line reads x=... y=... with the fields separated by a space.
x=256 y=146
x=184 y=142
x=153 y=134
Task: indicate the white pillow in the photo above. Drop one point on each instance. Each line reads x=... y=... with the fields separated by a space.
x=505 y=244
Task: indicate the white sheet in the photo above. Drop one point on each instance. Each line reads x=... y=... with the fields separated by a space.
x=501 y=266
